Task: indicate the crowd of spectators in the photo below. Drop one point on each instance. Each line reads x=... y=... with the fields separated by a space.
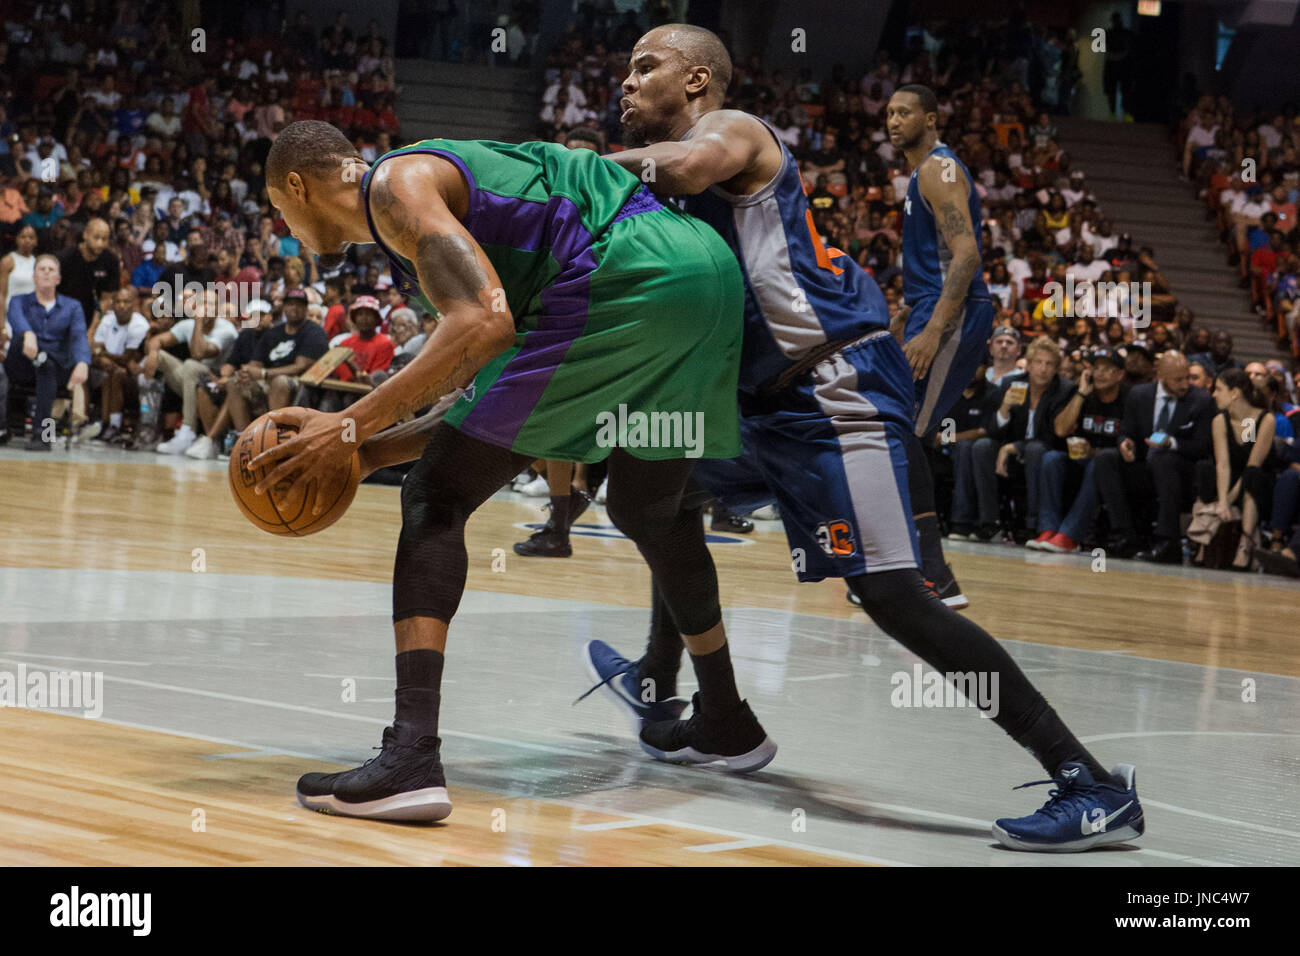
x=1246 y=168
x=1051 y=445
x=130 y=168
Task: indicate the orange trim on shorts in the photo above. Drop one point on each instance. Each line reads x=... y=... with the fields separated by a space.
x=823 y=255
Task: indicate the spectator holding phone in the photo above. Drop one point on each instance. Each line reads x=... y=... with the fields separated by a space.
x=1089 y=420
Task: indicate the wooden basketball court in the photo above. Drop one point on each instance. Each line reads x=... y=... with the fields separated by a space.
x=227 y=653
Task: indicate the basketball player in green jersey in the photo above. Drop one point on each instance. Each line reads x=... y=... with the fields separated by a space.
x=583 y=320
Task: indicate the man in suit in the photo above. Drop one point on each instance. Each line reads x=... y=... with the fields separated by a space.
x=1139 y=470
x=1022 y=425
x=50 y=348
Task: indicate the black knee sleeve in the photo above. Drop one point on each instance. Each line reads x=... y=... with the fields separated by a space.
x=644 y=502
x=453 y=477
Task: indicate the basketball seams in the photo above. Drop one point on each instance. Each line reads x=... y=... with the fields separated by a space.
x=254 y=444
x=270 y=498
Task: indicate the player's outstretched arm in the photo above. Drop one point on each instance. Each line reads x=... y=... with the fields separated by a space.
x=947 y=190
x=724 y=144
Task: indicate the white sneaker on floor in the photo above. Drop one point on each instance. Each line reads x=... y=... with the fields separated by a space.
x=88 y=431
x=537 y=488
x=179 y=443
x=202 y=449
x=600 y=492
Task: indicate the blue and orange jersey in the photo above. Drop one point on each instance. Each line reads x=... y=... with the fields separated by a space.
x=799 y=294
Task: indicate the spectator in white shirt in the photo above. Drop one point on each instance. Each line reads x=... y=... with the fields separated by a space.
x=1201 y=134
x=116 y=351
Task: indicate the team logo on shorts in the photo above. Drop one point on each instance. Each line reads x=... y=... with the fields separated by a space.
x=836 y=538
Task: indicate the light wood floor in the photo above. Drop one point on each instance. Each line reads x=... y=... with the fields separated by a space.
x=95 y=793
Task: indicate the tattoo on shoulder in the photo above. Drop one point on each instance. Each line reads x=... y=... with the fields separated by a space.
x=390 y=212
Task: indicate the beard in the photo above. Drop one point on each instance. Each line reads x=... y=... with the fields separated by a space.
x=635 y=137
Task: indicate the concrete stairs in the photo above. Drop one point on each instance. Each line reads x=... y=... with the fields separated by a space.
x=467 y=101
x=1132 y=170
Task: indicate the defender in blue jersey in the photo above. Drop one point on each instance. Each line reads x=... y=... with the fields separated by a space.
x=827 y=402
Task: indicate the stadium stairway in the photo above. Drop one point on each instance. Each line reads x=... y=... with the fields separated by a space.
x=1132 y=170
x=467 y=101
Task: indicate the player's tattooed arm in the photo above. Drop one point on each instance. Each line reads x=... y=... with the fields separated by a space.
x=946 y=189
x=723 y=145
x=412 y=203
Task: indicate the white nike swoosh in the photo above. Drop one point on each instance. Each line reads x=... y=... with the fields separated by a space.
x=1089 y=829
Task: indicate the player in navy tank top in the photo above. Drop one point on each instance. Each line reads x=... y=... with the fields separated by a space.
x=949 y=315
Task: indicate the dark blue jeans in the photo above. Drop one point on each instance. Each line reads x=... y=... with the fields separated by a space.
x=1054 y=472
x=975 y=485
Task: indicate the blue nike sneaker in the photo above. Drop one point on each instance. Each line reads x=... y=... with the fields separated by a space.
x=1081 y=813
x=622 y=680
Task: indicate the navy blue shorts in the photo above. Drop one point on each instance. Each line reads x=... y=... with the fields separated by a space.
x=830 y=449
x=954 y=364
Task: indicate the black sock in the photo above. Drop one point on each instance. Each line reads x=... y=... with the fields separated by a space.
x=1051 y=743
x=560 y=513
x=663 y=652
x=932 y=563
x=419 y=692
x=718 y=694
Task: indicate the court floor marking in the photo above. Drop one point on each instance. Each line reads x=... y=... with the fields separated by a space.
x=642 y=819
x=639 y=820
x=632 y=821
x=1217 y=819
x=732 y=845
x=321 y=712
x=547 y=748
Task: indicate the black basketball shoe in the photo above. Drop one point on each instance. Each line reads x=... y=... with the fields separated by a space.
x=948 y=591
x=405 y=782
x=736 y=738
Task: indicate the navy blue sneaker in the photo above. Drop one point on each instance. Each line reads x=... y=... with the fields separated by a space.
x=736 y=739
x=1081 y=814
x=404 y=782
x=621 y=680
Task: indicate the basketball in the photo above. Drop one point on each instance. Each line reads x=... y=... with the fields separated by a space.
x=293 y=518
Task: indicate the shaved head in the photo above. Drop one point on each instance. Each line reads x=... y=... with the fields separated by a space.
x=697 y=47
x=310 y=148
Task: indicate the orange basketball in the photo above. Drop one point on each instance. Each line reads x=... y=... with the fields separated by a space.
x=292 y=518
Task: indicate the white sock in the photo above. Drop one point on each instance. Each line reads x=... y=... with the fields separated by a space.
x=115 y=419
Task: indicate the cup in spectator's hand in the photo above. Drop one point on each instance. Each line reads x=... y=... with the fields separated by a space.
x=1080 y=448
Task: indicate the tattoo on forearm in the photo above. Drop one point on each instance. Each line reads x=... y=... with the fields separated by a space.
x=954 y=224
x=460 y=375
